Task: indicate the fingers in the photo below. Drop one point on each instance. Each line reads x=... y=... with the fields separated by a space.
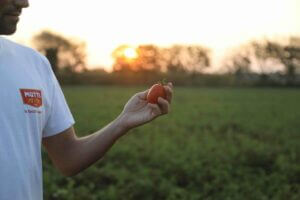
x=156 y=110
x=163 y=105
x=169 y=91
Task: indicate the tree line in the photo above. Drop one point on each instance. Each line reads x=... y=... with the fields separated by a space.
x=263 y=62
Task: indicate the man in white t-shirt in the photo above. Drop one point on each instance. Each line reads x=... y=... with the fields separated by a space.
x=33 y=112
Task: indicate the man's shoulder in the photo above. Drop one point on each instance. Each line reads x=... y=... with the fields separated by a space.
x=21 y=53
x=19 y=48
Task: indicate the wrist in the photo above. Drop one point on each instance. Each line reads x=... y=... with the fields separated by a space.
x=120 y=125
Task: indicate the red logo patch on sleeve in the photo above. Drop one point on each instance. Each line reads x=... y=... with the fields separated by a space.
x=32 y=97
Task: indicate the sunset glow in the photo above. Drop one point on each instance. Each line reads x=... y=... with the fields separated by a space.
x=105 y=25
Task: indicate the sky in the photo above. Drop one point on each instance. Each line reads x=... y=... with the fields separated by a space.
x=104 y=25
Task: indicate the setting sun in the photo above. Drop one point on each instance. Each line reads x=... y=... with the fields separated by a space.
x=130 y=53
x=125 y=52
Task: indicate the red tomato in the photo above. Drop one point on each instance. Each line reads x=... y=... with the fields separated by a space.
x=157 y=90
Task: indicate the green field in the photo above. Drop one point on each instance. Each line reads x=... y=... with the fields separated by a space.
x=215 y=144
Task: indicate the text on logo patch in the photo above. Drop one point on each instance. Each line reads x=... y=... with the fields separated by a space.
x=32 y=97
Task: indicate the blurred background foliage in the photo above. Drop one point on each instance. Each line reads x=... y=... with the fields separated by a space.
x=257 y=63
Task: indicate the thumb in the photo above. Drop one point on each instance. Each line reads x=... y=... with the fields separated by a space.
x=143 y=95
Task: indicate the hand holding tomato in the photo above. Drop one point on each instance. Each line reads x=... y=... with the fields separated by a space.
x=156 y=91
x=145 y=106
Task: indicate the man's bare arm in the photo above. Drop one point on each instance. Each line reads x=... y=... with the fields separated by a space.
x=71 y=154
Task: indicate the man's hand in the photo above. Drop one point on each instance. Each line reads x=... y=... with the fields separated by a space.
x=138 y=111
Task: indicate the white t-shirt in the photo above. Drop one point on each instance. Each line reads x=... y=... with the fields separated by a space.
x=32 y=106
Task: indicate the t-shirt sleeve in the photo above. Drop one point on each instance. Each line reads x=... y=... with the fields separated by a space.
x=60 y=117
